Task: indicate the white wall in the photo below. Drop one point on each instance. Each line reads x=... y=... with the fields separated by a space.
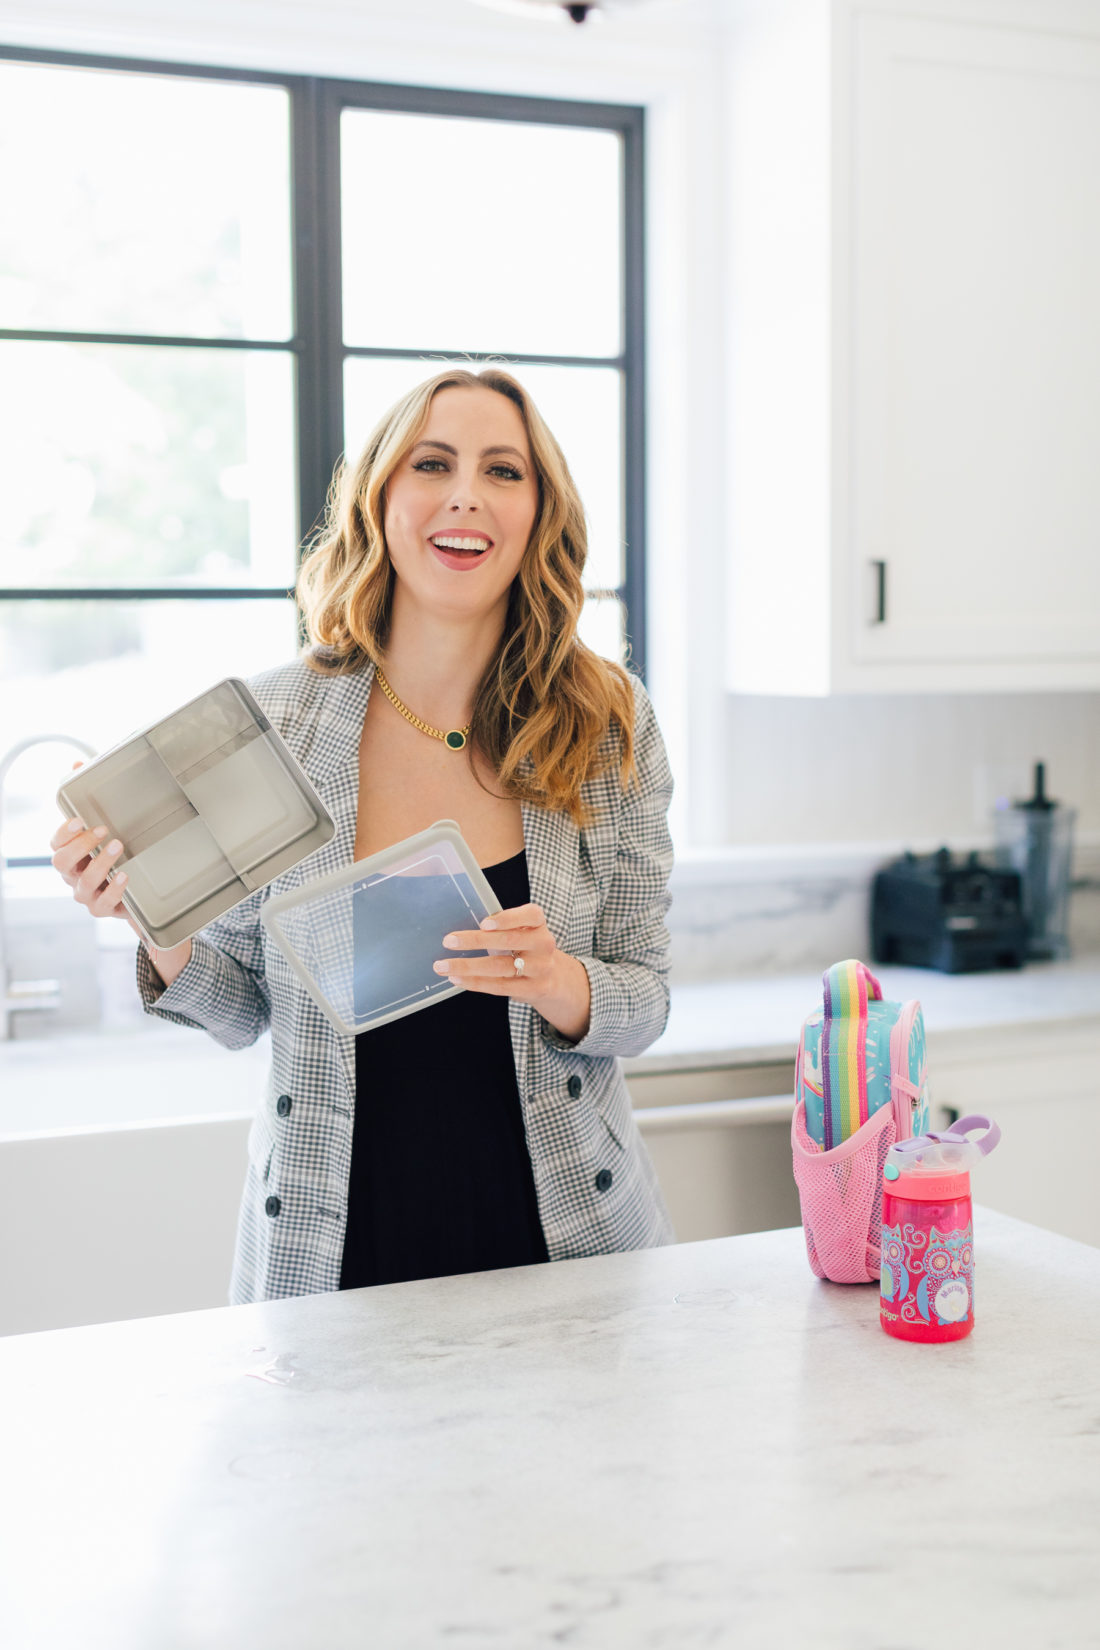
x=749 y=770
x=902 y=769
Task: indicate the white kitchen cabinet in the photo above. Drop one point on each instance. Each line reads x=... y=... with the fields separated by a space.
x=724 y=1166
x=720 y=1140
x=1040 y=1083
x=914 y=358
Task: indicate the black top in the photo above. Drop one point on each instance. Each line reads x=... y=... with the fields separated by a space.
x=441 y=1179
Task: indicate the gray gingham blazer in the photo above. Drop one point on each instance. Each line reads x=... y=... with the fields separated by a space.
x=604 y=892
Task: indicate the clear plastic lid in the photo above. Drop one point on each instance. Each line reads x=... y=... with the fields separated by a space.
x=363 y=939
x=209 y=805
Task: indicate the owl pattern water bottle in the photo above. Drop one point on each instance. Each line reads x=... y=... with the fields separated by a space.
x=927 y=1279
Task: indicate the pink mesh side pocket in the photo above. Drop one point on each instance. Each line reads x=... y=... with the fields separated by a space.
x=840 y=1192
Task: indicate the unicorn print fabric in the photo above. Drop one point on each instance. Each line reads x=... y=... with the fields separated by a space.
x=860 y=1086
x=850 y=1060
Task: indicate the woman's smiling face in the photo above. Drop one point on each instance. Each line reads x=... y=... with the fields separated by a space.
x=461 y=504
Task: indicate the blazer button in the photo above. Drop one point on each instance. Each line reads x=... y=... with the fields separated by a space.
x=574 y=1086
x=283 y=1105
x=272 y=1206
x=603 y=1182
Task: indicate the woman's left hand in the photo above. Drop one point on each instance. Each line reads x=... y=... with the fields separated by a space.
x=532 y=969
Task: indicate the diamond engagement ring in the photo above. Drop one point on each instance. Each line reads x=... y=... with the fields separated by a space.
x=518 y=963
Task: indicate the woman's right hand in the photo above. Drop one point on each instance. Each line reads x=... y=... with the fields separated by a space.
x=86 y=871
x=86 y=874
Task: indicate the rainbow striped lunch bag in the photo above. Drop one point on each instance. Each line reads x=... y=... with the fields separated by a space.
x=861 y=1083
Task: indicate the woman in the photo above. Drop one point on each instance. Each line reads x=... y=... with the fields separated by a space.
x=493 y=1129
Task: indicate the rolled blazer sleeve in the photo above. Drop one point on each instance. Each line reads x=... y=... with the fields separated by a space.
x=629 y=967
x=222 y=990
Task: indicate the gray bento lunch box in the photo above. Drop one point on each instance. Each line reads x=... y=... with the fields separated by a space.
x=209 y=805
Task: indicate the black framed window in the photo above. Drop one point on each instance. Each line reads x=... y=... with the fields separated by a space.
x=212 y=281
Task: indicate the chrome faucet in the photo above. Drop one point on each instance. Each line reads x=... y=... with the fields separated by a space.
x=17 y=997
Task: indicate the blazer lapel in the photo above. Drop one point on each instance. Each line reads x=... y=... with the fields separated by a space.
x=334 y=771
x=334 y=766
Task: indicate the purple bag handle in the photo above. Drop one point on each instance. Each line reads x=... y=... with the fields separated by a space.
x=956 y=1135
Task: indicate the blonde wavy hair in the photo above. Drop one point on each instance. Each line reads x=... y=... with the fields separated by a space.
x=546 y=703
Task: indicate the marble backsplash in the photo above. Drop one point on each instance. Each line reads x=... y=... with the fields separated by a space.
x=736 y=913
x=772 y=911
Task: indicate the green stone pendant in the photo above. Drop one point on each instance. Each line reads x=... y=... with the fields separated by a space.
x=455 y=740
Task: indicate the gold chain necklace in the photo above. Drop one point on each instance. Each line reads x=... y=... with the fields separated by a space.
x=455 y=740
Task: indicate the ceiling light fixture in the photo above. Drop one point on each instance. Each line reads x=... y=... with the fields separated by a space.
x=560 y=11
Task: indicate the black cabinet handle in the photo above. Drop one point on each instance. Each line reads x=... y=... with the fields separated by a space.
x=880 y=592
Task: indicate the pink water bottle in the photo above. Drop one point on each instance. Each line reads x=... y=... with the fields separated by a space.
x=927 y=1288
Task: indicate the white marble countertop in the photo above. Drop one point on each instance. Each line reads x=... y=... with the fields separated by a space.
x=699 y=1445
x=756 y=1020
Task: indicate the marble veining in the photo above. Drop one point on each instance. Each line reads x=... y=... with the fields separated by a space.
x=699 y=1445
x=782 y=912
x=771 y=925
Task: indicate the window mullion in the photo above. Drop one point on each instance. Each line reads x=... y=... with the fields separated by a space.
x=331 y=282
x=634 y=456
x=319 y=393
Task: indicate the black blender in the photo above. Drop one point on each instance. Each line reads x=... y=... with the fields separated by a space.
x=1036 y=838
